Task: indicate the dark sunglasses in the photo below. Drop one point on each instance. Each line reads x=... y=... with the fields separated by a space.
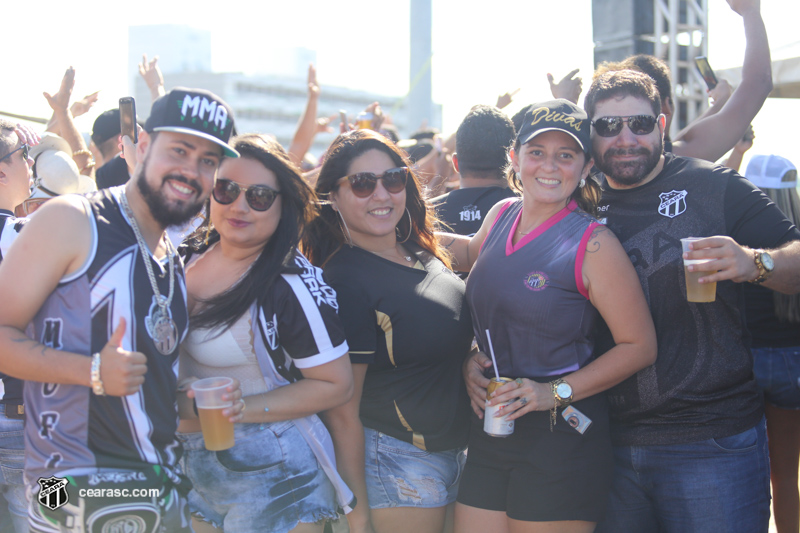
x=259 y=197
x=612 y=126
x=363 y=184
x=24 y=149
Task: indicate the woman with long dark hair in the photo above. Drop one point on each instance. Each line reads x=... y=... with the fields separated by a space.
x=408 y=329
x=774 y=323
x=260 y=312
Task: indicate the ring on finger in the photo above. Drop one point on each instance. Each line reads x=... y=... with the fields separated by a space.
x=518 y=381
x=244 y=405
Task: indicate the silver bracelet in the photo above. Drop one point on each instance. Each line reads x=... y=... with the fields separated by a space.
x=97 y=383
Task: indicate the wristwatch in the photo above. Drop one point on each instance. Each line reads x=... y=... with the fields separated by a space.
x=764 y=264
x=562 y=392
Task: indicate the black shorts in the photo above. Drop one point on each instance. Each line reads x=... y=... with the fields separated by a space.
x=538 y=476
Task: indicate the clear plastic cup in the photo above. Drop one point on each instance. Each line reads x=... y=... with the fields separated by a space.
x=697 y=292
x=217 y=429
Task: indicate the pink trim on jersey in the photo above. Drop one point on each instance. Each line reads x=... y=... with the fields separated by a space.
x=547 y=224
x=579 y=259
x=503 y=208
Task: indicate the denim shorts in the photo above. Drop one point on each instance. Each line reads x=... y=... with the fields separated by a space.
x=777 y=373
x=718 y=485
x=399 y=474
x=13 y=505
x=268 y=482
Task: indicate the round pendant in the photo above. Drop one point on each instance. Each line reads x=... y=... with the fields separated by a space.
x=164 y=332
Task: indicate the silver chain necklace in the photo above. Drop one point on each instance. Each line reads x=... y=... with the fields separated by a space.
x=159 y=324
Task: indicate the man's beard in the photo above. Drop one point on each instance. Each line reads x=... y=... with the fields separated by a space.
x=164 y=213
x=629 y=172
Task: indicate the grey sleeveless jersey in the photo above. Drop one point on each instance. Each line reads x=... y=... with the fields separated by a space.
x=530 y=295
x=68 y=427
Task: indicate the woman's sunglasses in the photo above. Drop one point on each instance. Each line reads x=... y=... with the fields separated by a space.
x=612 y=126
x=259 y=197
x=24 y=149
x=363 y=184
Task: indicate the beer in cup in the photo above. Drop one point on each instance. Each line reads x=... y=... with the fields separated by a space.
x=217 y=429
x=697 y=292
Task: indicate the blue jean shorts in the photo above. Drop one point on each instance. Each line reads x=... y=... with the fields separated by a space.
x=399 y=474
x=13 y=505
x=777 y=373
x=268 y=482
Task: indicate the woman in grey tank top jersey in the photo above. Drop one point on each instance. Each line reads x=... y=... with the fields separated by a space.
x=544 y=269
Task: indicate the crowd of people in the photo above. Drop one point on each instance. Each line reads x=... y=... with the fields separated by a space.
x=381 y=311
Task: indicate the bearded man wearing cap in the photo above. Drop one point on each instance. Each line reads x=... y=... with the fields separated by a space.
x=103 y=287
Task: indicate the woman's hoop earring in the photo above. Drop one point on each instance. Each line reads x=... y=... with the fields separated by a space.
x=208 y=232
x=582 y=183
x=410 y=228
x=345 y=229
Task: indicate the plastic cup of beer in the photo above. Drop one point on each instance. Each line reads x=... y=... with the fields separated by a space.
x=697 y=292
x=217 y=429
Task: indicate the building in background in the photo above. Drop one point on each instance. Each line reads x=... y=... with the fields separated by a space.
x=262 y=103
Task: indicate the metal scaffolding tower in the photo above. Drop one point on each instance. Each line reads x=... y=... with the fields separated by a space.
x=672 y=30
x=681 y=34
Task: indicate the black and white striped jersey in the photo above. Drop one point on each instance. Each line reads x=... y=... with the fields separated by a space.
x=10 y=388
x=68 y=427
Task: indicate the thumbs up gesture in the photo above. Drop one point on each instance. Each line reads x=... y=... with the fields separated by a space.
x=122 y=372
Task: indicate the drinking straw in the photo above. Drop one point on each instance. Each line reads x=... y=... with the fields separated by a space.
x=491 y=352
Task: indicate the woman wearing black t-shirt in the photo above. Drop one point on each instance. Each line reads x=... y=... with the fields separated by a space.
x=408 y=328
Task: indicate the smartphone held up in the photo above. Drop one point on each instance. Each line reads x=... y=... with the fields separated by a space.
x=127 y=118
x=706 y=71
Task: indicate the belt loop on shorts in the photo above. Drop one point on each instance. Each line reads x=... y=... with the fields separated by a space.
x=15 y=410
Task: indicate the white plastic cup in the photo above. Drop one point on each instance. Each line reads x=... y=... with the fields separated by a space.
x=697 y=292
x=217 y=429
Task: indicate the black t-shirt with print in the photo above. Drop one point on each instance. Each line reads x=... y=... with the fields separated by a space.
x=462 y=211
x=701 y=385
x=412 y=326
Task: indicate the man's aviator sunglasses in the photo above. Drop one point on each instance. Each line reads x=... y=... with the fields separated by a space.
x=612 y=126
x=363 y=184
x=24 y=149
x=259 y=197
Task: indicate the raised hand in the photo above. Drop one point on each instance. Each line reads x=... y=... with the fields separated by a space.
x=721 y=92
x=150 y=73
x=122 y=372
x=568 y=87
x=27 y=135
x=60 y=100
x=324 y=124
x=80 y=107
x=505 y=99
x=743 y=6
x=313 y=86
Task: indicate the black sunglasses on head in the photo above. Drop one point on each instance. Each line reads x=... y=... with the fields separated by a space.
x=363 y=184
x=24 y=149
x=259 y=197
x=612 y=126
